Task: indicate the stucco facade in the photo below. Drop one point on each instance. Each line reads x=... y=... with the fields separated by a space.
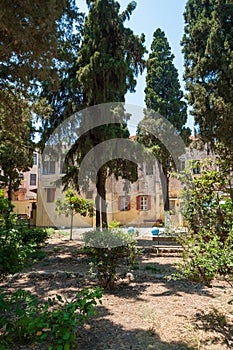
x=138 y=204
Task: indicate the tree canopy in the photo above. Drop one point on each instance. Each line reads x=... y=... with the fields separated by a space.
x=36 y=48
x=31 y=33
x=164 y=97
x=110 y=57
x=208 y=51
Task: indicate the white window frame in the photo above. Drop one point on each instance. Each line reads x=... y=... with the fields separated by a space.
x=124 y=203
x=143 y=203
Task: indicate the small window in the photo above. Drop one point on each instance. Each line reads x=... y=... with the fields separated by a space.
x=149 y=169
x=143 y=203
x=62 y=167
x=35 y=159
x=172 y=205
x=89 y=194
x=51 y=195
x=32 y=179
x=48 y=167
x=124 y=203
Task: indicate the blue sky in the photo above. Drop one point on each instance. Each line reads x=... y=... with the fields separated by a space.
x=146 y=18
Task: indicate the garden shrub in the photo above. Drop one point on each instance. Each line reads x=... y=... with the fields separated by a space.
x=35 y=235
x=23 y=320
x=17 y=241
x=114 y=224
x=17 y=244
x=208 y=211
x=107 y=250
x=13 y=254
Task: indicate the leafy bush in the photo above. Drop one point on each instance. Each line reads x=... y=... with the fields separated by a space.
x=13 y=253
x=17 y=245
x=34 y=235
x=25 y=321
x=17 y=241
x=114 y=224
x=208 y=211
x=107 y=249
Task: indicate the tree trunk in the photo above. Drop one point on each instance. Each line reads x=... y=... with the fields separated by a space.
x=101 y=210
x=97 y=207
x=164 y=176
x=10 y=206
x=166 y=199
x=71 y=226
x=104 y=208
x=9 y=191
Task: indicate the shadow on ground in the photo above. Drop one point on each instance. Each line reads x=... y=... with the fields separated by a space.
x=65 y=269
x=219 y=325
x=102 y=334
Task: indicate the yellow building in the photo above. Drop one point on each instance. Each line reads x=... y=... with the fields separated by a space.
x=140 y=204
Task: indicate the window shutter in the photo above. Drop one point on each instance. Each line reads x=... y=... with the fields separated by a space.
x=149 y=203
x=128 y=203
x=138 y=202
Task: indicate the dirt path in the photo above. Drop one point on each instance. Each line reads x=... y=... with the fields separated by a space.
x=144 y=311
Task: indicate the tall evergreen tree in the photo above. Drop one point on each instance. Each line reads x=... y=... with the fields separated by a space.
x=66 y=99
x=163 y=96
x=31 y=32
x=110 y=56
x=16 y=144
x=208 y=52
x=36 y=44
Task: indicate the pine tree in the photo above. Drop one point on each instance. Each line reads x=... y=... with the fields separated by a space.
x=163 y=96
x=208 y=52
x=109 y=58
x=16 y=144
x=30 y=34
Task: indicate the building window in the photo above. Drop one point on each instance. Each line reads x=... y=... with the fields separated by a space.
x=48 y=167
x=32 y=179
x=62 y=167
x=124 y=203
x=172 y=205
x=34 y=158
x=149 y=169
x=89 y=194
x=196 y=167
x=51 y=195
x=143 y=203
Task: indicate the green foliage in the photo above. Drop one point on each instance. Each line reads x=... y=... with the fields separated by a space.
x=17 y=246
x=73 y=204
x=113 y=224
x=163 y=97
x=34 y=235
x=24 y=320
x=32 y=34
x=107 y=250
x=106 y=71
x=208 y=48
x=17 y=241
x=208 y=211
x=13 y=254
x=163 y=93
x=5 y=209
x=101 y=59
x=16 y=137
